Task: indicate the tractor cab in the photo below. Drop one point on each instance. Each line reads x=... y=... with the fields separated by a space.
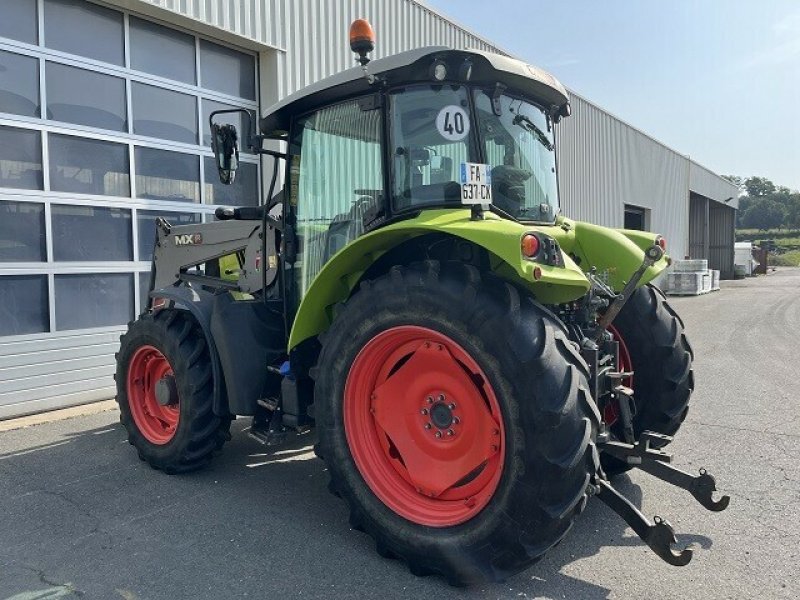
x=424 y=129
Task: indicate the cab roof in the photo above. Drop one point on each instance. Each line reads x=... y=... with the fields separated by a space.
x=415 y=66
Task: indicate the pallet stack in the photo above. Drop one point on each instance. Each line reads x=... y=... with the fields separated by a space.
x=691 y=277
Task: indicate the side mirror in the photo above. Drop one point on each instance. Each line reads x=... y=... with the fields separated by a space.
x=225 y=144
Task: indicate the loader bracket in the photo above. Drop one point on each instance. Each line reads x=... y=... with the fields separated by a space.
x=658 y=535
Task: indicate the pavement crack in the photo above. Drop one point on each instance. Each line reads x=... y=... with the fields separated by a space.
x=45 y=580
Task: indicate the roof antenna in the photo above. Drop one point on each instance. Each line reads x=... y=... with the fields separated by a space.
x=362 y=42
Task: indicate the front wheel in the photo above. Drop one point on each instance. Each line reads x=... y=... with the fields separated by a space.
x=456 y=421
x=164 y=392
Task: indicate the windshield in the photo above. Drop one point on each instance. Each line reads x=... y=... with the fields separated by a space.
x=519 y=148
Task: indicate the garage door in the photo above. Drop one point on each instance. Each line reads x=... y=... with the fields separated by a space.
x=103 y=127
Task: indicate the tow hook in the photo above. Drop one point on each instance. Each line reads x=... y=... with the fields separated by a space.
x=659 y=535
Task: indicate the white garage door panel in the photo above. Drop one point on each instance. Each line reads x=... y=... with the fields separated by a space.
x=37 y=404
x=49 y=356
x=64 y=376
x=58 y=390
x=56 y=371
x=9 y=349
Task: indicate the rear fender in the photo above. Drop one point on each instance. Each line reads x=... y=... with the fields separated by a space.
x=500 y=237
x=615 y=253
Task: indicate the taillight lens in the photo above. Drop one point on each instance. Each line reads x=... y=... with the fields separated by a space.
x=530 y=245
x=662 y=241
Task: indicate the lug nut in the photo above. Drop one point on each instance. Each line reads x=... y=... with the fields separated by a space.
x=430 y=399
x=428 y=425
x=438 y=434
x=441 y=398
x=424 y=411
x=456 y=420
x=450 y=432
x=451 y=406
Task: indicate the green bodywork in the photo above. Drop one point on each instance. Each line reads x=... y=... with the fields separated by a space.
x=615 y=253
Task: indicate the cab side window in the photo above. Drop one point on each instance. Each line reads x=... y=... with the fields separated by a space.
x=336 y=181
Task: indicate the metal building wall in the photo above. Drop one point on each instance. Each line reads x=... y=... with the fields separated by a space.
x=709 y=184
x=311 y=36
x=721 y=234
x=605 y=163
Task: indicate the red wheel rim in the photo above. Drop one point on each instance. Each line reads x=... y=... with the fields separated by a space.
x=157 y=423
x=611 y=412
x=424 y=426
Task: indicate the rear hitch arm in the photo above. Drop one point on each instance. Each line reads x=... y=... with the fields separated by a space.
x=658 y=535
x=656 y=462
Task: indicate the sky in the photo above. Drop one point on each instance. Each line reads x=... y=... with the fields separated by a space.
x=718 y=80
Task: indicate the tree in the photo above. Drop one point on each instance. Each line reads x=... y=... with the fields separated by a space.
x=764 y=214
x=735 y=180
x=759 y=186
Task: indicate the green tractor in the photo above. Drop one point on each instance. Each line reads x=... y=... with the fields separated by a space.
x=474 y=364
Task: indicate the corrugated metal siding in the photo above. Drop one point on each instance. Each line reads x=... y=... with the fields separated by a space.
x=605 y=164
x=56 y=371
x=314 y=52
x=709 y=184
x=721 y=224
x=313 y=34
x=697 y=226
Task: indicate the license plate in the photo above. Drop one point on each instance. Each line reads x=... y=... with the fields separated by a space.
x=476 y=183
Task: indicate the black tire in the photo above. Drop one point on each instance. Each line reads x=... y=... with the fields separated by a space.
x=663 y=379
x=199 y=432
x=541 y=383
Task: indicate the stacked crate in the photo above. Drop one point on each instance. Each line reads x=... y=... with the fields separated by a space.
x=691 y=277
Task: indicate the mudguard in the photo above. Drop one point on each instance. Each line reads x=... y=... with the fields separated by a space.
x=500 y=237
x=199 y=304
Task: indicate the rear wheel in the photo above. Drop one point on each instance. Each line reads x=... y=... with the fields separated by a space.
x=164 y=392
x=654 y=346
x=456 y=422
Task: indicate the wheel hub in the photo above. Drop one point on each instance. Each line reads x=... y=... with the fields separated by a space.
x=152 y=395
x=166 y=391
x=424 y=426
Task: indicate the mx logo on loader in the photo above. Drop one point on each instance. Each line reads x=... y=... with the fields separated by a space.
x=189 y=239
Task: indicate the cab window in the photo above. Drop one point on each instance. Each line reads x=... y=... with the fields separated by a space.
x=432 y=136
x=336 y=180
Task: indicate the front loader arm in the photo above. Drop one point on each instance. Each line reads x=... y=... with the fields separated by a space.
x=180 y=248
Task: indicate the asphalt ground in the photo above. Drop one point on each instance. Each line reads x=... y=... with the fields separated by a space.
x=81 y=516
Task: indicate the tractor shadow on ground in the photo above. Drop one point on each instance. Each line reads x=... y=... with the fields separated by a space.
x=212 y=530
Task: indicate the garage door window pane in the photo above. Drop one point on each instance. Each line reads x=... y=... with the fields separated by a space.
x=162 y=51
x=243 y=192
x=165 y=175
x=146 y=222
x=19 y=20
x=85 y=98
x=238 y=119
x=85 y=166
x=88 y=233
x=20 y=159
x=83 y=28
x=164 y=114
x=96 y=300
x=22 y=232
x=144 y=285
x=228 y=71
x=23 y=304
x=19 y=84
